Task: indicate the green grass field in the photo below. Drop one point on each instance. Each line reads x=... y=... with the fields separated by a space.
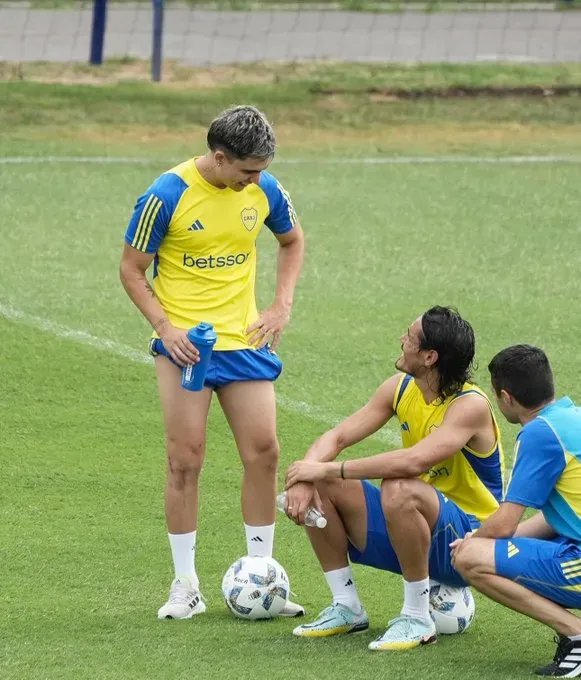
x=85 y=560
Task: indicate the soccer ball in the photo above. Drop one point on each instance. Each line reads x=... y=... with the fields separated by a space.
x=255 y=588
x=452 y=609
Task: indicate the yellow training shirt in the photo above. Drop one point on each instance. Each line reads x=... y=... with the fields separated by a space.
x=473 y=480
x=204 y=240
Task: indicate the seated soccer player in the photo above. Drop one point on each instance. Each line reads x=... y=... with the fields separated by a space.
x=445 y=480
x=534 y=566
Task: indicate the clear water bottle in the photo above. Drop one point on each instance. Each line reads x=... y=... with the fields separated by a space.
x=313 y=517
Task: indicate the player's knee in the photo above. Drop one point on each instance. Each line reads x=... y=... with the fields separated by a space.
x=332 y=491
x=328 y=488
x=399 y=495
x=469 y=561
x=184 y=459
x=262 y=456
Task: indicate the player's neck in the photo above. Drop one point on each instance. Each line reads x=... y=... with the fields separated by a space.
x=207 y=169
x=428 y=385
x=531 y=413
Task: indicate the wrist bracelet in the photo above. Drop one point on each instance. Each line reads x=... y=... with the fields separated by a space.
x=342 y=469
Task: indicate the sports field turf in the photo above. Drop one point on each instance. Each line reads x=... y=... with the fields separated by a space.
x=85 y=561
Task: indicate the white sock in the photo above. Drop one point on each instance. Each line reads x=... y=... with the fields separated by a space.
x=259 y=540
x=575 y=638
x=343 y=589
x=416 y=599
x=183 y=552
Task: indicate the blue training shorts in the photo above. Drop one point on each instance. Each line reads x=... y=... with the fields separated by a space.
x=551 y=568
x=235 y=365
x=452 y=523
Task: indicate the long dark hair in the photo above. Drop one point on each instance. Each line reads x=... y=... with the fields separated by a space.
x=452 y=337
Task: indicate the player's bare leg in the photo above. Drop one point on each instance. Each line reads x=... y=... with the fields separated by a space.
x=344 y=507
x=185 y=415
x=476 y=562
x=411 y=508
x=250 y=408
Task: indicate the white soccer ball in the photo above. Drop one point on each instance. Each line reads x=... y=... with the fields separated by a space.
x=452 y=609
x=255 y=588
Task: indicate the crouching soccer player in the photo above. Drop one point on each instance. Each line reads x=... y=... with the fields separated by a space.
x=534 y=567
x=446 y=479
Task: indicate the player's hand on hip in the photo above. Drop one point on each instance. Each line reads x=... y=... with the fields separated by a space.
x=305 y=471
x=269 y=326
x=299 y=498
x=181 y=350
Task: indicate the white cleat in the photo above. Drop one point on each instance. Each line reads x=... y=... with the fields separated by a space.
x=184 y=601
x=291 y=610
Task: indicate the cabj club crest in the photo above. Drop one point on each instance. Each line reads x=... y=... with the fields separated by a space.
x=249 y=218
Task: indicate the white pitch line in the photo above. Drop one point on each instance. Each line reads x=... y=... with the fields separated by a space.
x=364 y=160
x=83 y=337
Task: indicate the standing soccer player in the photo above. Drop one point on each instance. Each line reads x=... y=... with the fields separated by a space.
x=198 y=223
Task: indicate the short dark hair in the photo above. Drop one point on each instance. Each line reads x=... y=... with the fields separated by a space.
x=525 y=373
x=242 y=132
x=452 y=337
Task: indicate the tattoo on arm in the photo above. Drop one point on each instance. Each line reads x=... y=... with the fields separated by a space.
x=159 y=324
x=149 y=288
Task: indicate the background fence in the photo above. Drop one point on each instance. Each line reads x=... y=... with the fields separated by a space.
x=217 y=34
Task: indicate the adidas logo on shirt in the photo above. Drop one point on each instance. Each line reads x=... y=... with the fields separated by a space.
x=196 y=226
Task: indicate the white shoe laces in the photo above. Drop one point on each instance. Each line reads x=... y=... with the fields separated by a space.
x=181 y=595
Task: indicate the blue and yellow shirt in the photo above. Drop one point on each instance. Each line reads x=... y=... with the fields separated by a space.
x=473 y=480
x=547 y=468
x=204 y=240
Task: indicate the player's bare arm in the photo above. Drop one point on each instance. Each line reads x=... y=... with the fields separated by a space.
x=358 y=426
x=504 y=523
x=272 y=321
x=361 y=424
x=132 y=271
x=535 y=527
x=466 y=420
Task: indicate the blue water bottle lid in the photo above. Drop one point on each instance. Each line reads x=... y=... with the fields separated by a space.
x=203 y=333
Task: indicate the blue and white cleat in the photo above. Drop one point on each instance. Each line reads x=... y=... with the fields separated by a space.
x=406 y=632
x=334 y=620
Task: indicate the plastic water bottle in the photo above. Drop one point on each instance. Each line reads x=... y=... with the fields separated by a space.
x=313 y=518
x=203 y=338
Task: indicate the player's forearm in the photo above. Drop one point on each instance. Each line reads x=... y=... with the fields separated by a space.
x=535 y=527
x=493 y=528
x=290 y=261
x=325 y=449
x=141 y=294
x=503 y=523
x=388 y=465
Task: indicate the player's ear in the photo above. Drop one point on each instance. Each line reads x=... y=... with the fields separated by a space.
x=507 y=398
x=219 y=157
x=430 y=358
